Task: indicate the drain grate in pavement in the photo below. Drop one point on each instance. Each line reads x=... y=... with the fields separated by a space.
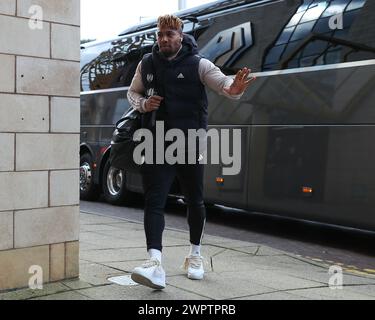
x=123 y=281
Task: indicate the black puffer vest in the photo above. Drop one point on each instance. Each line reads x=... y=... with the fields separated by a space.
x=185 y=100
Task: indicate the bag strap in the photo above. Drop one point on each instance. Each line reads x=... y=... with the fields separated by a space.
x=131 y=114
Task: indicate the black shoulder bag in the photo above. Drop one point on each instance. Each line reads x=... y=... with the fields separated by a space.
x=123 y=145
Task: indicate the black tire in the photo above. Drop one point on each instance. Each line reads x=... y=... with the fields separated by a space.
x=88 y=189
x=114 y=186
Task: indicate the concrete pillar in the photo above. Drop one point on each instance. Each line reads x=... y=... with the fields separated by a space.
x=39 y=140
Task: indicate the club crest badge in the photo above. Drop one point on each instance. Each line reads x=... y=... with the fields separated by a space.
x=150 y=77
x=150 y=92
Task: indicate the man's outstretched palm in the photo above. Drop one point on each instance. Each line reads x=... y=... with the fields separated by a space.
x=240 y=83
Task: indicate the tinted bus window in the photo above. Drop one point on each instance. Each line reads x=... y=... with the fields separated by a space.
x=101 y=72
x=88 y=58
x=324 y=32
x=113 y=64
x=128 y=53
x=241 y=36
x=291 y=34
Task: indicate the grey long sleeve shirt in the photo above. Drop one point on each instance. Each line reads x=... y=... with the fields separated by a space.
x=209 y=74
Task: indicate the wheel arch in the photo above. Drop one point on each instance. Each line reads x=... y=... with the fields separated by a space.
x=104 y=160
x=85 y=148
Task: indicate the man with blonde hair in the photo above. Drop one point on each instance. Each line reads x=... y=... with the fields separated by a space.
x=169 y=85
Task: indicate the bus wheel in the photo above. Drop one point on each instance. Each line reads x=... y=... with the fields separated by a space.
x=88 y=189
x=114 y=186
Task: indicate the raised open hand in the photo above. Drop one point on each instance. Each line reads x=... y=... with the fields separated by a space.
x=240 y=83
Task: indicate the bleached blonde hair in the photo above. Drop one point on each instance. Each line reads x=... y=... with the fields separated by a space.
x=170 y=21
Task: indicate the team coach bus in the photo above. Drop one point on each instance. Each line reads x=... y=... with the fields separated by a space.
x=307 y=123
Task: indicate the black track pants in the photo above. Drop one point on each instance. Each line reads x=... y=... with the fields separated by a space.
x=157 y=181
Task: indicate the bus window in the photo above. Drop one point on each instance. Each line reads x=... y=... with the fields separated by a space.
x=88 y=56
x=114 y=65
x=228 y=44
x=129 y=54
x=327 y=32
x=99 y=72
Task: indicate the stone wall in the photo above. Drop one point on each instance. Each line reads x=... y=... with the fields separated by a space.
x=39 y=140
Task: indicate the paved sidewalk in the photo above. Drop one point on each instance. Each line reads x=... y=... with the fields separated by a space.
x=111 y=247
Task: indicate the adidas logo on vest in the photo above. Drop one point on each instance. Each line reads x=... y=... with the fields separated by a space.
x=180 y=76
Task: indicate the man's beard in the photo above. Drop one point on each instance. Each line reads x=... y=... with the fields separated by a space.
x=168 y=54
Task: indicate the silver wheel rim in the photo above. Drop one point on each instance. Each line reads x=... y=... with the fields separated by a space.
x=85 y=176
x=115 y=179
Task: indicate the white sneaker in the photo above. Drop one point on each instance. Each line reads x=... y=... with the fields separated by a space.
x=150 y=274
x=194 y=267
